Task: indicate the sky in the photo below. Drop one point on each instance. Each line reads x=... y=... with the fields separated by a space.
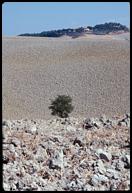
x=35 y=17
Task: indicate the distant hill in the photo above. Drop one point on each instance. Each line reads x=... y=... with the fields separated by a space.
x=109 y=28
x=101 y=29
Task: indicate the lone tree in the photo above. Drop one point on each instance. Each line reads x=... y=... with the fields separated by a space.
x=61 y=106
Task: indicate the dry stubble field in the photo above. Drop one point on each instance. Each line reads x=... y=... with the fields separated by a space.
x=94 y=71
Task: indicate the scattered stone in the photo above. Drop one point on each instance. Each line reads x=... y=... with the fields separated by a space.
x=122 y=123
x=123 y=185
x=16 y=142
x=70 y=128
x=88 y=187
x=88 y=123
x=128 y=115
x=112 y=174
x=97 y=179
x=6 y=187
x=126 y=159
x=103 y=119
x=103 y=155
x=33 y=129
x=44 y=155
x=78 y=140
x=5 y=160
x=101 y=167
x=12 y=148
x=119 y=166
x=127 y=120
x=98 y=124
x=6 y=123
x=57 y=161
x=41 y=154
x=114 y=122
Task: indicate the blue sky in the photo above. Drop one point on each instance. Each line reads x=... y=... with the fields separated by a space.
x=18 y=18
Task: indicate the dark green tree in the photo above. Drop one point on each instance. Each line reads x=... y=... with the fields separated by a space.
x=61 y=106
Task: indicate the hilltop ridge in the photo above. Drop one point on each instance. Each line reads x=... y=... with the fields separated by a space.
x=100 y=29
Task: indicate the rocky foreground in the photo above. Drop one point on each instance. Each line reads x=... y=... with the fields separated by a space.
x=67 y=154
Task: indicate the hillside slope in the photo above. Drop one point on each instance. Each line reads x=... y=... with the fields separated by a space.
x=95 y=72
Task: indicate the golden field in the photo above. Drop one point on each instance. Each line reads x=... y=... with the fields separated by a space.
x=93 y=70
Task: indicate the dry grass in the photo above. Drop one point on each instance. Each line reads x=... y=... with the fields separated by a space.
x=93 y=71
x=116 y=134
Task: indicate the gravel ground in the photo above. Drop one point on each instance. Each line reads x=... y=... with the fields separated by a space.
x=67 y=154
x=95 y=72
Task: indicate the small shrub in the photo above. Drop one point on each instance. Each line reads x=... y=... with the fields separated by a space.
x=61 y=106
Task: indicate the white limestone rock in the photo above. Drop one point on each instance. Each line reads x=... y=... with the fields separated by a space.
x=103 y=155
